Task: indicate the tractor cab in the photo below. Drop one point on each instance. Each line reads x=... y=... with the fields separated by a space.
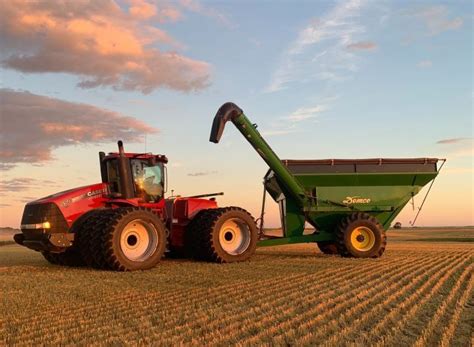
x=134 y=175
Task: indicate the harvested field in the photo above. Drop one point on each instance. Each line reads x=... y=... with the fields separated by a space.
x=419 y=293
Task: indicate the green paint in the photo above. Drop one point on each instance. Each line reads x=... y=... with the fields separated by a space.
x=323 y=199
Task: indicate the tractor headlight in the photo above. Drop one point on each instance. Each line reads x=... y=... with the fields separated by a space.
x=44 y=225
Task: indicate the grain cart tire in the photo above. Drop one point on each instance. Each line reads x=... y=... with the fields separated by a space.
x=223 y=235
x=70 y=257
x=328 y=247
x=131 y=238
x=360 y=235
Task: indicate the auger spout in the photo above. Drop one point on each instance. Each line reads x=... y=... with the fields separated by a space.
x=231 y=112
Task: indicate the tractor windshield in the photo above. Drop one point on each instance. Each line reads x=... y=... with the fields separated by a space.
x=148 y=179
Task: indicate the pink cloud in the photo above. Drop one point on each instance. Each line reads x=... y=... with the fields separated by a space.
x=34 y=125
x=362 y=46
x=101 y=42
x=453 y=140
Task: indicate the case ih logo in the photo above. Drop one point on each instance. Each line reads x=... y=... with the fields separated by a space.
x=90 y=194
x=349 y=200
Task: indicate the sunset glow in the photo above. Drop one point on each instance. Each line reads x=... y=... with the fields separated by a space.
x=322 y=80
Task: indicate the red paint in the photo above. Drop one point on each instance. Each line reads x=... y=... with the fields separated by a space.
x=77 y=201
x=184 y=210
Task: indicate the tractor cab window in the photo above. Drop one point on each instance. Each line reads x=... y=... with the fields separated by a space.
x=113 y=177
x=148 y=179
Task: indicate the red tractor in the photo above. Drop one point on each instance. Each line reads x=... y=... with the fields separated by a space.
x=126 y=223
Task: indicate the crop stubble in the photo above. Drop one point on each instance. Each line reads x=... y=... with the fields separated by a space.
x=418 y=293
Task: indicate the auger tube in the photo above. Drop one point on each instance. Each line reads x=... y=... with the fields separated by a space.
x=230 y=111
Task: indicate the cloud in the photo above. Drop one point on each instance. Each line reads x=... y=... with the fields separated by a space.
x=321 y=49
x=436 y=19
x=99 y=41
x=22 y=184
x=453 y=140
x=425 y=64
x=202 y=173
x=305 y=113
x=362 y=46
x=197 y=7
x=34 y=125
x=458 y=147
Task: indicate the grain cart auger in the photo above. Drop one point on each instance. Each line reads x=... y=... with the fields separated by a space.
x=349 y=202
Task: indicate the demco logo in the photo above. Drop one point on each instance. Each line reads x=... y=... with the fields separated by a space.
x=349 y=200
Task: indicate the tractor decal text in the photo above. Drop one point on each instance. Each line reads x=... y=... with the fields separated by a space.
x=90 y=194
x=349 y=200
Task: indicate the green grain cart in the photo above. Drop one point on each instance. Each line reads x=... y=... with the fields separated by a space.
x=350 y=203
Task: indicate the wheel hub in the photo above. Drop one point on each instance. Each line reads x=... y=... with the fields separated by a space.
x=139 y=240
x=234 y=236
x=363 y=239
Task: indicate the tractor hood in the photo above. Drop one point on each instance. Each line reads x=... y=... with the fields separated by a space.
x=71 y=203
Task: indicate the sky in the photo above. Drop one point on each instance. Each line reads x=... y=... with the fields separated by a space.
x=322 y=79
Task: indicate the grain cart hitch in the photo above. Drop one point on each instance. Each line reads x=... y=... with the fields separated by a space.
x=349 y=202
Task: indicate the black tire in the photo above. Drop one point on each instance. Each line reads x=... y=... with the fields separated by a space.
x=89 y=236
x=210 y=241
x=70 y=257
x=328 y=247
x=127 y=239
x=370 y=241
x=175 y=253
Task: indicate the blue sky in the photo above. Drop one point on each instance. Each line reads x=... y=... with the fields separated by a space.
x=322 y=79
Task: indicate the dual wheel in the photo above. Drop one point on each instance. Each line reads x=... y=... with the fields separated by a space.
x=122 y=239
x=128 y=239
x=358 y=235
x=222 y=235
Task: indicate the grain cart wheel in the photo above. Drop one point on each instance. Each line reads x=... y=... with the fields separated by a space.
x=361 y=236
x=224 y=235
x=328 y=247
x=127 y=239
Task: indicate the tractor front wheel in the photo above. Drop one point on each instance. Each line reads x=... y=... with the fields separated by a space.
x=70 y=257
x=223 y=235
x=360 y=235
x=126 y=239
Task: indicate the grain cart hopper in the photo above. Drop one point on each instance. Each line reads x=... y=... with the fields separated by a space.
x=349 y=203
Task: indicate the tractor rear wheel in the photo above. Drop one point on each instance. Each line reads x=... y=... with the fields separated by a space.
x=360 y=235
x=223 y=235
x=328 y=247
x=126 y=239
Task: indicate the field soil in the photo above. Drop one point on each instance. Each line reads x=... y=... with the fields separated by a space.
x=419 y=293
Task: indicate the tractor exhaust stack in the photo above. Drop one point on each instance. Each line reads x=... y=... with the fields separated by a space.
x=126 y=180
